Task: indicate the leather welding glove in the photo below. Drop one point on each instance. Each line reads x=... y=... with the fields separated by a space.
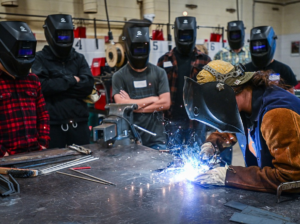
x=215 y=176
x=221 y=140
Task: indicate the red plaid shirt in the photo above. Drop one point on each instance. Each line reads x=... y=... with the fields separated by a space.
x=24 y=120
x=201 y=59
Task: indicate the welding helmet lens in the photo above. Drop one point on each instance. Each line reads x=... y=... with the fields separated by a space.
x=259 y=46
x=235 y=35
x=64 y=36
x=185 y=35
x=140 y=49
x=26 y=49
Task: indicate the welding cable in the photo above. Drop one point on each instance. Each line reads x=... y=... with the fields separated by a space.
x=134 y=132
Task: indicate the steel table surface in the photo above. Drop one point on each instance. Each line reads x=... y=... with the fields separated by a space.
x=140 y=196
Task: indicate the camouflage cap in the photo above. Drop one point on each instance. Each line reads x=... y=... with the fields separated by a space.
x=224 y=72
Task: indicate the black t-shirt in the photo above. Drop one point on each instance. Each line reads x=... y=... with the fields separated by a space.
x=151 y=82
x=284 y=70
x=184 y=69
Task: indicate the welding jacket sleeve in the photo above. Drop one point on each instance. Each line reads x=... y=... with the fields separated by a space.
x=280 y=129
x=51 y=84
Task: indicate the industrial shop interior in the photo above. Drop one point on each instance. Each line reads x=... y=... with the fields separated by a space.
x=149 y=111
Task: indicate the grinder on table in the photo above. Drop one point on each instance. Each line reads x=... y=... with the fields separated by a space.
x=117 y=127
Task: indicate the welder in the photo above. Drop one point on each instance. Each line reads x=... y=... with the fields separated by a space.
x=142 y=83
x=66 y=81
x=265 y=118
x=182 y=61
x=24 y=120
x=262 y=48
x=236 y=53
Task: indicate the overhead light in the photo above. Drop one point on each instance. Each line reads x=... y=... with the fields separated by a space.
x=185 y=13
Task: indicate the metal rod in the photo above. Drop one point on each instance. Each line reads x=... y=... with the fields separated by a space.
x=222 y=36
x=144 y=130
x=93 y=177
x=237 y=9
x=82 y=178
x=253 y=13
x=95 y=32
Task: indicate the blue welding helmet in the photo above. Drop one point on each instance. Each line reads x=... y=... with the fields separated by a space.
x=17 y=47
x=214 y=107
x=262 y=46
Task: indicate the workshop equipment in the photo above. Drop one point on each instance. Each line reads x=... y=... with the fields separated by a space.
x=287 y=186
x=15 y=172
x=8 y=186
x=105 y=181
x=80 y=149
x=75 y=162
x=117 y=126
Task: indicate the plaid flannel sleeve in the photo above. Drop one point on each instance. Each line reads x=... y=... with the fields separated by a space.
x=43 y=126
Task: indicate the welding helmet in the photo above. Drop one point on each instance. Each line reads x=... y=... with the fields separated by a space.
x=137 y=42
x=17 y=47
x=262 y=46
x=185 y=33
x=59 y=34
x=235 y=34
x=212 y=100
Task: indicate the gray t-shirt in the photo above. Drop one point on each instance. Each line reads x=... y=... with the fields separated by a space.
x=151 y=82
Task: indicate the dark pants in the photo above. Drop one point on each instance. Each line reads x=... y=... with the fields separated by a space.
x=68 y=134
x=226 y=155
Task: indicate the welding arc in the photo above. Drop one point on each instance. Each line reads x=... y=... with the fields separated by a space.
x=83 y=178
x=105 y=181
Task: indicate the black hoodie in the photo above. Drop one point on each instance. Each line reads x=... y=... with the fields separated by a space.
x=63 y=95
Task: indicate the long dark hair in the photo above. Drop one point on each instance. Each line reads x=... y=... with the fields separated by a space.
x=261 y=80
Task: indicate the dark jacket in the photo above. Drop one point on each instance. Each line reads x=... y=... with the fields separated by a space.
x=63 y=95
x=274 y=139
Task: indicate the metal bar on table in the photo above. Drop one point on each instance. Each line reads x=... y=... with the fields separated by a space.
x=144 y=130
x=93 y=177
x=82 y=178
x=69 y=164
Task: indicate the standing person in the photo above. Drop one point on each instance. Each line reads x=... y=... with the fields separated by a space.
x=142 y=83
x=66 y=80
x=262 y=48
x=265 y=117
x=182 y=61
x=24 y=120
x=236 y=53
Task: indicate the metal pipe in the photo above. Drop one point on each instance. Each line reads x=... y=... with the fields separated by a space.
x=108 y=24
x=222 y=36
x=95 y=32
x=169 y=26
x=83 y=178
x=105 y=181
x=144 y=130
x=237 y=9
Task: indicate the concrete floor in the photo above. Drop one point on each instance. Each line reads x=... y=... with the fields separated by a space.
x=237 y=157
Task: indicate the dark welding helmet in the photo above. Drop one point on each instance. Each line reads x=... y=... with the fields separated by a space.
x=137 y=42
x=59 y=34
x=185 y=33
x=17 y=47
x=213 y=102
x=262 y=46
x=236 y=34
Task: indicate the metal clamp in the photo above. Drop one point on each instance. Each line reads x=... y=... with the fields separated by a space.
x=80 y=149
x=287 y=186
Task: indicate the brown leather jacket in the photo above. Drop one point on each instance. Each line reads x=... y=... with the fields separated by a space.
x=280 y=129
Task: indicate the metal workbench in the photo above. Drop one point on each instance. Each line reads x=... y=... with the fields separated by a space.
x=140 y=196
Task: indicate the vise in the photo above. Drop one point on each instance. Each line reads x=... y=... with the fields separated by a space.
x=117 y=127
